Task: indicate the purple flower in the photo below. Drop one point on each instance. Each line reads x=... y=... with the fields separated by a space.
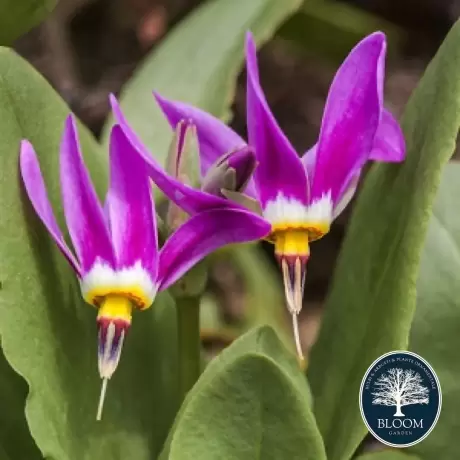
x=118 y=262
x=298 y=197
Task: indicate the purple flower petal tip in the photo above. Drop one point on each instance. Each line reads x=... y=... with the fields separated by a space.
x=115 y=106
x=82 y=209
x=176 y=111
x=377 y=36
x=250 y=42
x=168 y=109
x=279 y=169
x=351 y=117
x=36 y=191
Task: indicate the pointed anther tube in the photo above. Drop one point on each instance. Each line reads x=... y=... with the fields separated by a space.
x=292 y=251
x=113 y=322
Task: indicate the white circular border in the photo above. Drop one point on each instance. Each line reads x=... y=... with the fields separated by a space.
x=361 y=402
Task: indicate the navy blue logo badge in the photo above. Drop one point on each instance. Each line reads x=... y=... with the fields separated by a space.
x=400 y=399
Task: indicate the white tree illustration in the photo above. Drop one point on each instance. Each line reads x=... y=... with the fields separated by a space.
x=399 y=387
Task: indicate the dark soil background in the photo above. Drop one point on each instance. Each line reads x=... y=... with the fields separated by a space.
x=88 y=48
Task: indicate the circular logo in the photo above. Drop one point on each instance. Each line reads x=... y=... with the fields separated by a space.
x=400 y=399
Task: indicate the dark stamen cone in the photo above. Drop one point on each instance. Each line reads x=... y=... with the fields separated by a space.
x=293 y=269
x=113 y=322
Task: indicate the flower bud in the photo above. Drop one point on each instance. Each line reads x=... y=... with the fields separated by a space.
x=183 y=163
x=232 y=171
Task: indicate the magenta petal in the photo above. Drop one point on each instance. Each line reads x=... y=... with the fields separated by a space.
x=351 y=117
x=130 y=207
x=36 y=191
x=389 y=144
x=187 y=198
x=279 y=169
x=203 y=234
x=214 y=137
x=83 y=212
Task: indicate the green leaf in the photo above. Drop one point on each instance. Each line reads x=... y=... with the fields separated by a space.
x=16 y=443
x=390 y=454
x=329 y=29
x=198 y=62
x=18 y=16
x=435 y=330
x=371 y=304
x=48 y=333
x=252 y=401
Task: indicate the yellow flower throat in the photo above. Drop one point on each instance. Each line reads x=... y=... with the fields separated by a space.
x=295 y=240
x=117 y=307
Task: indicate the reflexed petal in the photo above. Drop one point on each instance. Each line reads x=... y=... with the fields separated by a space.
x=35 y=188
x=389 y=144
x=203 y=234
x=189 y=199
x=83 y=212
x=351 y=117
x=214 y=136
x=279 y=169
x=130 y=206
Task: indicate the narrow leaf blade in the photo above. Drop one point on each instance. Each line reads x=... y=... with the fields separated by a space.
x=371 y=305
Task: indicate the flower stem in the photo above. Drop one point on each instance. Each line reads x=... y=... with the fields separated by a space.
x=188 y=328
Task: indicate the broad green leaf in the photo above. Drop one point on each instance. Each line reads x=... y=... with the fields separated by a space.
x=198 y=62
x=252 y=401
x=16 y=443
x=18 y=16
x=48 y=333
x=371 y=304
x=435 y=330
x=390 y=454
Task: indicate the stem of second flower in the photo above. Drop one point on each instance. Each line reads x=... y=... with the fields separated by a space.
x=188 y=328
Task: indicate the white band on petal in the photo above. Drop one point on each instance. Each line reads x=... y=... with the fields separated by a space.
x=289 y=211
x=133 y=281
x=320 y=210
